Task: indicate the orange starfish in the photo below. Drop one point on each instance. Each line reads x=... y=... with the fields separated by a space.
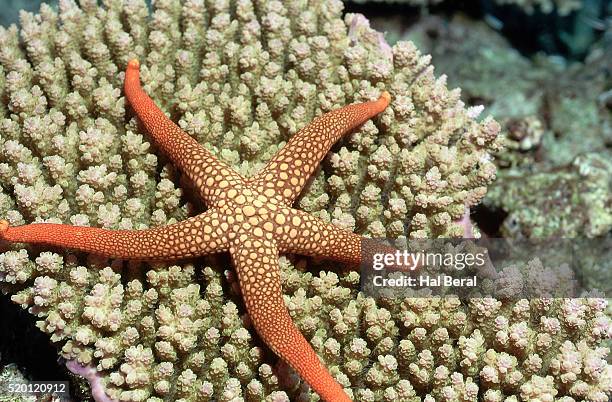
x=251 y=218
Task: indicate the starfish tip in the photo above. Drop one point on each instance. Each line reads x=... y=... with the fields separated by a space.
x=134 y=63
x=4 y=225
x=386 y=96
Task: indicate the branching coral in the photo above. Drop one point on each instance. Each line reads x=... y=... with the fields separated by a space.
x=242 y=77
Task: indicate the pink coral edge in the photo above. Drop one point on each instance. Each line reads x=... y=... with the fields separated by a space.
x=466 y=223
x=359 y=24
x=93 y=377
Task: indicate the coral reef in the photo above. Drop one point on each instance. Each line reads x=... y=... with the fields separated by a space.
x=491 y=72
x=242 y=77
x=540 y=100
x=563 y=7
x=553 y=176
x=570 y=201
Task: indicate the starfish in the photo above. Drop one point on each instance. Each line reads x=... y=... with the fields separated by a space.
x=251 y=218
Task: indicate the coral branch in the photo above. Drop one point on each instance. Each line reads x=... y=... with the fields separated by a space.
x=92 y=376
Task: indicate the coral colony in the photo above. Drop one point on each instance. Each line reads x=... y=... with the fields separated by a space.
x=245 y=98
x=251 y=218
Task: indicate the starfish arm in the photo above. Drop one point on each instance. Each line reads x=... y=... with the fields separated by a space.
x=210 y=175
x=258 y=272
x=287 y=172
x=195 y=236
x=307 y=235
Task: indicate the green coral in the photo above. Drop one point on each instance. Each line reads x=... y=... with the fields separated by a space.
x=242 y=77
x=577 y=201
